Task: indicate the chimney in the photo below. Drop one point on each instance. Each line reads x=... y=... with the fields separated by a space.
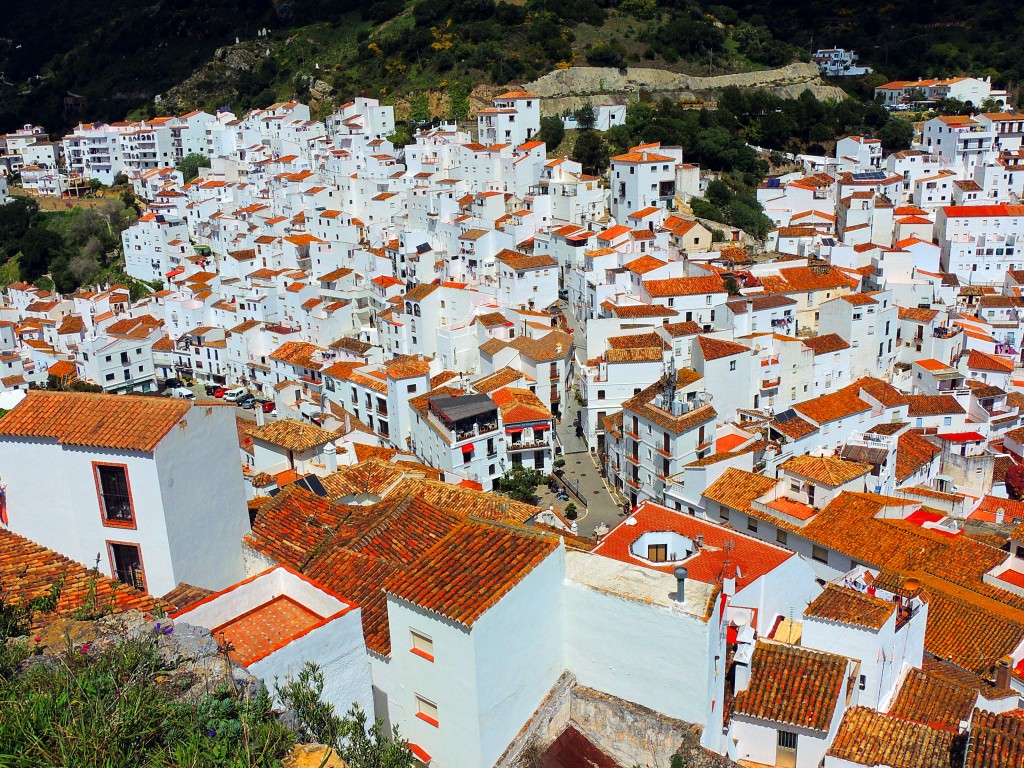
x=1003 y=672
x=681 y=574
x=331 y=458
x=700 y=541
x=261 y=418
x=1000 y=515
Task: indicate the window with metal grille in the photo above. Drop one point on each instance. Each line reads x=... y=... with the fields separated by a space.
x=127 y=564
x=114 y=493
x=787 y=740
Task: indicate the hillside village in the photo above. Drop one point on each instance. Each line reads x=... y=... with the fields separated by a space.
x=806 y=534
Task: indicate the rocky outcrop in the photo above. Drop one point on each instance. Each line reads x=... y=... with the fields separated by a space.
x=194 y=663
x=568 y=88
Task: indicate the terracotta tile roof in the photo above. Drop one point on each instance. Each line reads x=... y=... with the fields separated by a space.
x=351 y=344
x=825 y=469
x=970 y=623
x=421 y=291
x=684 y=286
x=997 y=740
x=521 y=261
x=715 y=349
x=823 y=345
x=793 y=686
x=757 y=303
x=636 y=341
x=61 y=369
x=292 y=435
x=838 y=405
x=185 y=595
x=967 y=634
x=635 y=310
x=467 y=501
x=794 y=427
x=28 y=570
x=643 y=265
x=71 y=324
x=912 y=453
x=298 y=353
x=493 y=346
x=860 y=299
x=641 y=355
x=442 y=378
x=685 y=328
x=725 y=554
x=933 y=405
x=964 y=679
x=870 y=738
x=933 y=701
x=519 y=406
x=553 y=346
x=407 y=368
x=848 y=606
x=105 y=421
x=736 y=489
x=492 y=319
x=985 y=362
x=471 y=569
x=495 y=381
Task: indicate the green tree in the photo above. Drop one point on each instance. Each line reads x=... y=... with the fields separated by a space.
x=606 y=55
x=191 y=164
x=419 y=108
x=591 y=152
x=358 y=745
x=40 y=247
x=520 y=483
x=458 y=95
x=586 y=118
x=15 y=219
x=896 y=134
x=400 y=137
x=551 y=131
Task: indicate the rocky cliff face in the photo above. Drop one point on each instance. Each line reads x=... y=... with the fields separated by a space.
x=570 y=88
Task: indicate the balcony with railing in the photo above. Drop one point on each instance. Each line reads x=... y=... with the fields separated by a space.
x=534 y=443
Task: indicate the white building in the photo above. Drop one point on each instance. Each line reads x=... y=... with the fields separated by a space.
x=839 y=62
x=645 y=176
x=979 y=242
x=303 y=623
x=514 y=119
x=151 y=487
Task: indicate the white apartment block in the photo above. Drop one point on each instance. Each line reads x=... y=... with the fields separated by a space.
x=643 y=177
x=514 y=119
x=979 y=242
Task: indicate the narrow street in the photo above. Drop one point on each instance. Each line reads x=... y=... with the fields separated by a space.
x=581 y=467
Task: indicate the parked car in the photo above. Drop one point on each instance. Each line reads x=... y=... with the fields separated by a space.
x=563 y=294
x=234 y=395
x=173 y=384
x=268 y=406
x=215 y=390
x=246 y=401
x=183 y=393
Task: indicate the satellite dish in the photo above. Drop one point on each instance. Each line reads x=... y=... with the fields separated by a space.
x=740 y=620
x=631 y=521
